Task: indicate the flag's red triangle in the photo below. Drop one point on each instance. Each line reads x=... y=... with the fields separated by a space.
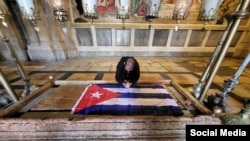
x=94 y=95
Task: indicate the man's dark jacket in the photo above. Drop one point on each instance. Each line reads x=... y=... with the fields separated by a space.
x=122 y=74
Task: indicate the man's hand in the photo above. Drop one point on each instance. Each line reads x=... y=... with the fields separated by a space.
x=127 y=84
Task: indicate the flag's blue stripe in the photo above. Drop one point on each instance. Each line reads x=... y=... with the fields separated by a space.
x=134 y=109
x=116 y=85
x=143 y=95
x=131 y=110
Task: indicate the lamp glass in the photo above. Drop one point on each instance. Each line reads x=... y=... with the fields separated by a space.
x=209 y=9
x=2 y=17
x=27 y=7
x=90 y=7
x=122 y=7
x=154 y=6
x=181 y=9
x=5 y=23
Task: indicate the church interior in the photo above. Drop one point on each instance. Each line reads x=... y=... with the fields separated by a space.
x=52 y=51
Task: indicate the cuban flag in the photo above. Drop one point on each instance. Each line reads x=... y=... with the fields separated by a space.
x=115 y=99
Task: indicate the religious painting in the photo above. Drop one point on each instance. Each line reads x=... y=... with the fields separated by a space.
x=139 y=9
x=228 y=7
x=106 y=7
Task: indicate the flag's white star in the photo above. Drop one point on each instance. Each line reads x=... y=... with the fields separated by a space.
x=96 y=94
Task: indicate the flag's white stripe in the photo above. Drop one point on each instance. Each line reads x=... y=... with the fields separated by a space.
x=137 y=90
x=140 y=102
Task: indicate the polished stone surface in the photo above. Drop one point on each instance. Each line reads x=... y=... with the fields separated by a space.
x=160 y=37
x=185 y=71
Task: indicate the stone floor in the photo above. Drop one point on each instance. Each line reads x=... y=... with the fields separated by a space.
x=185 y=71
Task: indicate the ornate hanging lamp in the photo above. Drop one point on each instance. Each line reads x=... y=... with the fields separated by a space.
x=60 y=10
x=122 y=10
x=90 y=9
x=153 y=9
x=29 y=11
x=3 y=13
x=209 y=9
x=181 y=11
x=2 y=17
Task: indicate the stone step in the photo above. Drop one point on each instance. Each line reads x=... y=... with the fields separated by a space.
x=101 y=127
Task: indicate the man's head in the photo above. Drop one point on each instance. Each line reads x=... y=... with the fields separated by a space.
x=129 y=64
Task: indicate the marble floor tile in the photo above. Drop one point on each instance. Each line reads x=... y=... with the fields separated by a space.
x=150 y=77
x=13 y=76
x=33 y=68
x=104 y=63
x=66 y=68
x=100 y=68
x=155 y=64
x=182 y=70
x=82 y=68
x=62 y=98
x=39 y=78
x=144 y=69
x=169 y=64
x=109 y=77
x=231 y=63
x=82 y=76
x=243 y=79
x=156 y=69
x=219 y=79
x=183 y=78
x=9 y=70
x=242 y=90
x=176 y=69
x=113 y=68
x=51 y=68
x=144 y=64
